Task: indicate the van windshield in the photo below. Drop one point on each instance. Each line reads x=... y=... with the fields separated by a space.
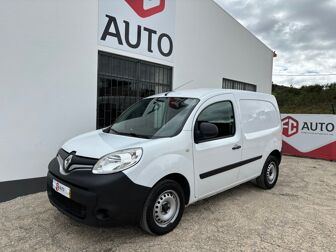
x=154 y=117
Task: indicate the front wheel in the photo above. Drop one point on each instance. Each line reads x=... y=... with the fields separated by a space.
x=269 y=174
x=163 y=208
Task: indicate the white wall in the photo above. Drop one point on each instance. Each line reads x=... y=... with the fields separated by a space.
x=211 y=45
x=48 y=80
x=48 y=71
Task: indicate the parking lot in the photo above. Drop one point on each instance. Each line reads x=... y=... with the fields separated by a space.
x=298 y=214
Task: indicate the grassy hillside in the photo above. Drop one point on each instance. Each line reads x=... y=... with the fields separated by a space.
x=314 y=99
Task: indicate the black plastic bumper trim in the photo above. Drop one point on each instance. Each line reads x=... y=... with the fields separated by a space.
x=99 y=200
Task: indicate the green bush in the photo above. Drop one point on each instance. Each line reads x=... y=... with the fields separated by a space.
x=315 y=99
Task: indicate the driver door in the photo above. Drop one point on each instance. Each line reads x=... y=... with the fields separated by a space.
x=215 y=158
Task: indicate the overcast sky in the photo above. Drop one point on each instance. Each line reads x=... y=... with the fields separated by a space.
x=302 y=32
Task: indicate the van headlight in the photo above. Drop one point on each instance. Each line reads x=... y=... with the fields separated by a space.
x=117 y=161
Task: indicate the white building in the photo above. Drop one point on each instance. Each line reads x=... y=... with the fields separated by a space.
x=68 y=67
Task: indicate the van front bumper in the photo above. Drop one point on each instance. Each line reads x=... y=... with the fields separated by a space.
x=98 y=200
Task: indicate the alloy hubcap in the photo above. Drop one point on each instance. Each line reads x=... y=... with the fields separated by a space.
x=166 y=208
x=271 y=173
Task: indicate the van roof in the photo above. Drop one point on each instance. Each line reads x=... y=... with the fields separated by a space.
x=209 y=92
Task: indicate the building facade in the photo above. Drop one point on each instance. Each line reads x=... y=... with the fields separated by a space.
x=68 y=67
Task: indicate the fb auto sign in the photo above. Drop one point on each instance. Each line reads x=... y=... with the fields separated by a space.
x=309 y=135
x=144 y=27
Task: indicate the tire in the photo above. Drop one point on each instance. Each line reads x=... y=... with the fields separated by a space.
x=269 y=175
x=163 y=208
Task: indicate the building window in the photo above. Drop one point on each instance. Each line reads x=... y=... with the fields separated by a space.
x=232 y=84
x=122 y=81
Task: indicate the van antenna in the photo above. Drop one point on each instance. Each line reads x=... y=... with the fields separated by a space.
x=184 y=84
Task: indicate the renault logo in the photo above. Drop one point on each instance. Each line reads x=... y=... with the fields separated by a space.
x=67 y=162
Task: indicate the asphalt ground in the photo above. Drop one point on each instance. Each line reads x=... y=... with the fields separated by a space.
x=299 y=214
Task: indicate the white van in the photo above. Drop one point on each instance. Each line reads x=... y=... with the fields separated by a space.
x=164 y=153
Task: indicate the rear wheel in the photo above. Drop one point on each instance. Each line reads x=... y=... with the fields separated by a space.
x=163 y=208
x=270 y=173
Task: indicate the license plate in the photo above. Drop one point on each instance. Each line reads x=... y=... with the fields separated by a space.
x=62 y=189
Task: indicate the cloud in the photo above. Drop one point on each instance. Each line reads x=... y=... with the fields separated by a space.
x=302 y=32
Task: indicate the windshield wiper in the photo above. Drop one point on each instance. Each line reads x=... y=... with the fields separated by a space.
x=134 y=135
x=114 y=131
x=128 y=134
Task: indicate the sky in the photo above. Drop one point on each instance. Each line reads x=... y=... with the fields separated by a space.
x=302 y=32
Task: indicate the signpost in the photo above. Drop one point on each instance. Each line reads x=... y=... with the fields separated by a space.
x=144 y=27
x=309 y=135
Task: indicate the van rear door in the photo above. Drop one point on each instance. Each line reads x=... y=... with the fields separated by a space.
x=216 y=159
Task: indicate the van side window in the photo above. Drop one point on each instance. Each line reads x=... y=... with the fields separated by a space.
x=220 y=114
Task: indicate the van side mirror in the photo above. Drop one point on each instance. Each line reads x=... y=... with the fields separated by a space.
x=207 y=131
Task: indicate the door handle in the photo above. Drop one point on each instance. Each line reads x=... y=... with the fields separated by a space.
x=236 y=147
